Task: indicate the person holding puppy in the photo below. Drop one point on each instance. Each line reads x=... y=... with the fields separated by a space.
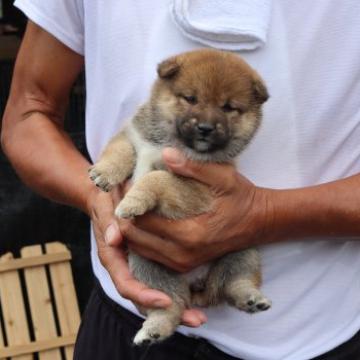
x=296 y=197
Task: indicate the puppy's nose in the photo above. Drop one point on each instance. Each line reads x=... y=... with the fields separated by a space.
x=205 y=128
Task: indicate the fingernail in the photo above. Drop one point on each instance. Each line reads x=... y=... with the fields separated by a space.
x=110 y=233
x=203 y=318
x=173 y=156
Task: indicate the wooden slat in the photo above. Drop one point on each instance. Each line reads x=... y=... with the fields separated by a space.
x=40 y=303
x=36 y=346
x=65 y=296
x=16 y=264
x=2 y=340
x=13 y=308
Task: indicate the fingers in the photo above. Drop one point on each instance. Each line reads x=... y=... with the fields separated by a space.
x=107 y=222
x=102 y=214
x=112 y=234
x=169 y=229
x=214 y=175
x=115 y=261
x=190 y=317
x=193 y=318
x=172 y=255
x=146 y=244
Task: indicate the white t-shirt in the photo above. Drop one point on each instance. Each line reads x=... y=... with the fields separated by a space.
x=310 y=135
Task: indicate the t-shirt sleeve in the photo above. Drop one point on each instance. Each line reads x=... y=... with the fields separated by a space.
x=64 y=19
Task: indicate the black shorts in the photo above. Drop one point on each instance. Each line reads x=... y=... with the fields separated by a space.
x=107 y=331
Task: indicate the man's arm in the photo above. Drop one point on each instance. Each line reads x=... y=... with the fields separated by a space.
x=45 y=158
x=244 y=215
x=32 y=131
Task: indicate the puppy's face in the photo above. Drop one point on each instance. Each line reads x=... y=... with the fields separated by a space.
x=208 y=103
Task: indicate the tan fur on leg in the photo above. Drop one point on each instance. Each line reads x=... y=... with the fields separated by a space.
x=116 y=163
x=171 y=195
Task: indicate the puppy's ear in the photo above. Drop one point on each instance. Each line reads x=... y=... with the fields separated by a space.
x=168 y=68
x=260 y=92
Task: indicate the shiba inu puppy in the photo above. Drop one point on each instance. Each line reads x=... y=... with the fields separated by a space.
x=207 y=104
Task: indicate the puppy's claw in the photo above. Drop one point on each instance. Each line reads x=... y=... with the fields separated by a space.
x=123 y=215
x=262 y=306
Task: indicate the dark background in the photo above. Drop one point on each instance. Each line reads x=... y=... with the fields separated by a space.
x=25 y=217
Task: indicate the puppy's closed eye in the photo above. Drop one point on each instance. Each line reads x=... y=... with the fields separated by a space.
x=229 y=107
x=191 y=99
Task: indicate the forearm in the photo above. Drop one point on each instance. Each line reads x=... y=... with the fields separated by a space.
x=32 y=133
x=45 y=158
x=331 y=210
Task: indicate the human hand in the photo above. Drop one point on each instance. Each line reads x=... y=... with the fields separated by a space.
x=237 y=220
x=113 y=256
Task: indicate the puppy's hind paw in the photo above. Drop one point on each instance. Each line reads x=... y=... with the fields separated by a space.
x=145 y=338
x=255 y=303
x=244 y=296
x=148 y=335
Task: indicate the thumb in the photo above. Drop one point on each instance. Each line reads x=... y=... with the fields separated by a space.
x=103 y=218
x=220 y=176
x=112 y=234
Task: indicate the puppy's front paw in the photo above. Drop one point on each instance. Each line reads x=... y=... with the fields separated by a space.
x=130 y=207
x=101 y=178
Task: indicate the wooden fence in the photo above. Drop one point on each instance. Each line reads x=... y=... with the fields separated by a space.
x=39 y=309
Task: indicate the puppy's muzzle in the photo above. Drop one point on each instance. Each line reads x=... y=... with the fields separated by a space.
x=203 y=136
